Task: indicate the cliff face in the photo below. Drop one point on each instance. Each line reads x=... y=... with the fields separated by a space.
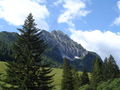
x=66 y=46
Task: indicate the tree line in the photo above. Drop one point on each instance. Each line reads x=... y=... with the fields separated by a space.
x=102 y=71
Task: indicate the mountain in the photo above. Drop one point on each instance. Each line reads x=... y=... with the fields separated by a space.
x=66 y=46
x=59 y=47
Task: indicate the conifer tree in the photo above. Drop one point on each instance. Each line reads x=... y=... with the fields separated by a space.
x=84 y=78
x=105 y=69
x=27 y=71
x=97 y=73
x=67 y=81
x=112 y=68
x=76 y=79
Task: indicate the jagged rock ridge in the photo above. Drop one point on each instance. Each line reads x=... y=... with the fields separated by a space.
x=67 y=47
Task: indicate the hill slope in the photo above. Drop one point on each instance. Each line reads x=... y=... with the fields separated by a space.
x=8 y=37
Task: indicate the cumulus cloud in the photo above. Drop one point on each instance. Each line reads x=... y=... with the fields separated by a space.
x=117 y=20
x=58 y=2
x=72 y=9
x=104 y=43
x=15 y=11
x=40 y=1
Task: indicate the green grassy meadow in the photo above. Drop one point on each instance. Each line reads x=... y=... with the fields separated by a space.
x=57 y=77
x=2 y=67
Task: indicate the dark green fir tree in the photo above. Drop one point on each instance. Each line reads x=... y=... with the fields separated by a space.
x=27 y=71
x=67 y=81
x=105 y=69
x=84 y=79
x=76 y=78
x=112 y=68
x=97 y=73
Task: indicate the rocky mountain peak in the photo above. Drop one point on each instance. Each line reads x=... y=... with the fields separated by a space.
x=66 y=46
x=59 y=35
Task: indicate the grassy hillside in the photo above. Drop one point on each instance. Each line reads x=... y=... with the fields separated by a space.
x=57 y=77
x=2 y=67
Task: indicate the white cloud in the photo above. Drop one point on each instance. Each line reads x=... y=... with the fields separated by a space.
x=15 y=11
x=58 y=2
x=117 y=20
x=39 y=1
x=103 y=43
x=118 y=5
x=72 y=9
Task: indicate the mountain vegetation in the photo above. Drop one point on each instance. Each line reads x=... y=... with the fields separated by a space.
x=107 y=68
x=5 y=51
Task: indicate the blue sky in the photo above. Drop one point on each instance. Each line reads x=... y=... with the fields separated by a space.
x=101 y=16
x=95 y=24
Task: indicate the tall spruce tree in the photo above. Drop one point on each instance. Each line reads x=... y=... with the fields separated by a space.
x=97 y=73
x=105 y=69
x=27 y=71
x=112 y=68
x=84 y=78
x=67 y=81
x=76 y=79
